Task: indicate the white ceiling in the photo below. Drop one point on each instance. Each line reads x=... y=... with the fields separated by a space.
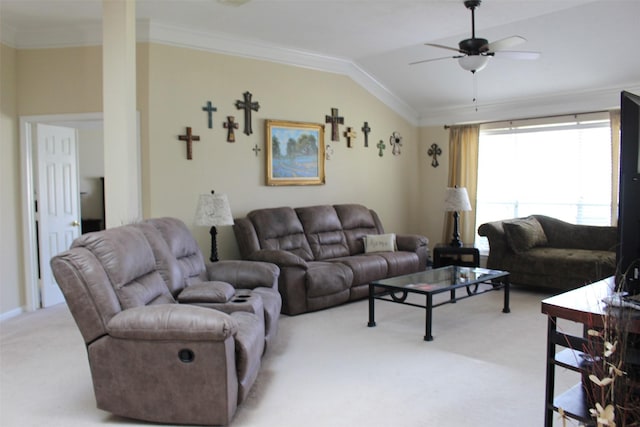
x=589 y=47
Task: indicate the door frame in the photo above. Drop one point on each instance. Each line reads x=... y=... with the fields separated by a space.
x=30 y=247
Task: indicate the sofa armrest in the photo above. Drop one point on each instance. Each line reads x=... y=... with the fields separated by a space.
x=280 y=258
x=411 y=242
x=245 y=274
x=172 y=322
x=494 y=232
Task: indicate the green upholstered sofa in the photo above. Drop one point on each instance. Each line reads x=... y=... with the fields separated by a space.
x=546 y=252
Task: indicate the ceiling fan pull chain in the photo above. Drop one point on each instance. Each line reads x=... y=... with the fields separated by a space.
x=475 y=90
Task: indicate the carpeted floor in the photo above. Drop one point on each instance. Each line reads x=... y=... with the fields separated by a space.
x=484 y=368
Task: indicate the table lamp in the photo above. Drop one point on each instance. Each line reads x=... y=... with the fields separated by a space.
x=456 y=200
x=213 y=210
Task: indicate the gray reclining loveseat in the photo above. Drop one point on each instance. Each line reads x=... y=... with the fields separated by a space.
x=327 y=254
x=169 y=339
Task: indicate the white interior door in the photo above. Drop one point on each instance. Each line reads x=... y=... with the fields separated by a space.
x=58 y=207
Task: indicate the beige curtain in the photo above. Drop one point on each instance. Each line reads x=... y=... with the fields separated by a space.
x=463 y=172
x=614 y=117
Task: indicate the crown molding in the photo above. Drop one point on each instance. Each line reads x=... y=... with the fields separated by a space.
x=90 y=34
x=223 y=44
x=547 y=105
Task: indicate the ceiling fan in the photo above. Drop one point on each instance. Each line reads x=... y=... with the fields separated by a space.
x=475 y=52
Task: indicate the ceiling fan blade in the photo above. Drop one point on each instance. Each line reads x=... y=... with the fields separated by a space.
x=435 y=59
x=512 y=54
x=505 y=43
x=455 y=49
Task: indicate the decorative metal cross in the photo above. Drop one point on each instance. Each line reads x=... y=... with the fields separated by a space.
x=381 y=147
x=434 y=152
x=335 y=120
x=256 y=149
x=366 y=129
x=189 y=138
x=230 y=125
x=349 y=134
x=247 y=105
x=209 y=108
x=396 y=142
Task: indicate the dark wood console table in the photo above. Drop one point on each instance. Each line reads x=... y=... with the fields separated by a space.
x=583 y=305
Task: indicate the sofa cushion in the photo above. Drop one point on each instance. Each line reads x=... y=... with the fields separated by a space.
x=365 y=268
x=524 y=234
x=357 y=222
x=571 y=266
x=379 y=243
x=281 y=229
x=213 y=291
x=130 y=265
x=400 y=262
x=324 y=231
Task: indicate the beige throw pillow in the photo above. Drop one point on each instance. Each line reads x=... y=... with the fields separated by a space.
x=380 y=243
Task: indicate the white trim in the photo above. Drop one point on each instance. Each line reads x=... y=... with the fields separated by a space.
x=28 y=202
x=11 y=314
x=224 y=44
x=521 y=108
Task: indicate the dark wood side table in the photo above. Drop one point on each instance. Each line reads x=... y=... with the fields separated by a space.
x=465 y=256
x=583 y=305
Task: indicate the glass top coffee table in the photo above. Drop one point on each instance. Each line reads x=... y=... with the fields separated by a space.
x=475 y=280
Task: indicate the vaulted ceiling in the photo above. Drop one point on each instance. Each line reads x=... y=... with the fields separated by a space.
x=589 y=48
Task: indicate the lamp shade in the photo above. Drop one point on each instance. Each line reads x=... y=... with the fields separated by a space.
x=457 y=200
x=473 y=63
x=213 y=210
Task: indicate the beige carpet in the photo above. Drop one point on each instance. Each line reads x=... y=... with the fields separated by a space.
x=484 y=368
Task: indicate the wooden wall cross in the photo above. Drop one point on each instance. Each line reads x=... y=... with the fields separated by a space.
x=189 y=138
x=209 y=108
x=230 y=125
x=349 y=134
x=247 y=105
x=256 y=150
x=381 y=147
x=335 y=120
x=365 y=130
x=434 y=152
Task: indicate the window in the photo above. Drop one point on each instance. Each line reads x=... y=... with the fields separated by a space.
x=561 y=168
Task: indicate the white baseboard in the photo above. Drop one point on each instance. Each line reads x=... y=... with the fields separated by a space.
x=11 y=313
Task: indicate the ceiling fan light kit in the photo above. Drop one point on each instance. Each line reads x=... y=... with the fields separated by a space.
x=474 y=53
x=473 y=63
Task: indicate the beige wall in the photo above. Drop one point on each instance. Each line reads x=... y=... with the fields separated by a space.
x=433 y=183
x=181 y=81
x=172 y=86
x=11 y=278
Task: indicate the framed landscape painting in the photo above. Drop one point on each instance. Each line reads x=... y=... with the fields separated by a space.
x=295 y=153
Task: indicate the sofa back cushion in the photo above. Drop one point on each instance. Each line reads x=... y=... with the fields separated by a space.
x=281 y=229
x=323 y=230
x=183 y=250
x=130 y=265
x=357 y=222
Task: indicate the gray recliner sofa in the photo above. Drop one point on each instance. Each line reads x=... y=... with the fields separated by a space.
x=169 y=339
x=327 y=254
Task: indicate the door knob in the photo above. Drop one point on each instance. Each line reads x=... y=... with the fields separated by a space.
x=75 y=223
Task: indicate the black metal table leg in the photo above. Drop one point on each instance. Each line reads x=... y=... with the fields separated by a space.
x=551 y=350
x=372 y=321
x=506 y=285
x=428 y=318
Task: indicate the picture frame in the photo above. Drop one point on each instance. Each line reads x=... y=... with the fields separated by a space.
x=295 y=153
